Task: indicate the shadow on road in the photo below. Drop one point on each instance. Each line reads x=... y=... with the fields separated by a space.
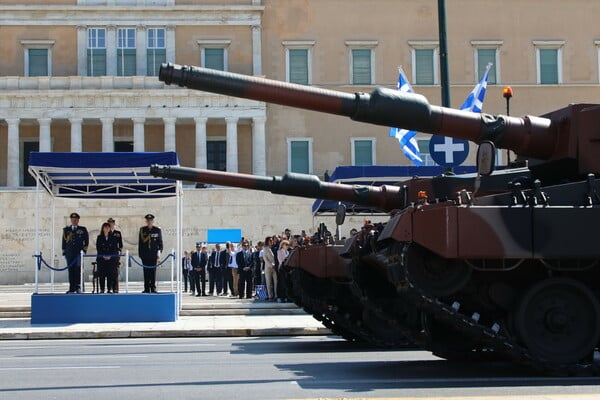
x=361 y=376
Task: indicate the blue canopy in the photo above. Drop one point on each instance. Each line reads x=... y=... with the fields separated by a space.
x=377 y=175
x=102 y=175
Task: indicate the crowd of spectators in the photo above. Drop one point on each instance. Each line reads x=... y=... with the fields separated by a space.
x=243 y=269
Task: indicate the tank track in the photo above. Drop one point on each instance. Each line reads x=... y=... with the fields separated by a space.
x=410 y=327
x=495 y=339
x=335 y=316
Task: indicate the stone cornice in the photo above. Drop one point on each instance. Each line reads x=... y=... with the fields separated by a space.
x=179 y=103
x=25 y=15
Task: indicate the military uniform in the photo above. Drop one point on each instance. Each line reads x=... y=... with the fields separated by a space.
x=75 y=238
x=150 y=243
x=119 y=239
x=107 y=245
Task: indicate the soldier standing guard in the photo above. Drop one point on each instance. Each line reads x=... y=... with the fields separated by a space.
x=74 y=239
x=150 y=246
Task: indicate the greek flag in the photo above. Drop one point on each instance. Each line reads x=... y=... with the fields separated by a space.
x=474 y=101
x=406 y=138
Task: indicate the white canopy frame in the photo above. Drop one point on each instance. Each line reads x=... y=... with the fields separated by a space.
x=107 y=182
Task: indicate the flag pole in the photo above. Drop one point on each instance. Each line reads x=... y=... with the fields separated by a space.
x=445 y=81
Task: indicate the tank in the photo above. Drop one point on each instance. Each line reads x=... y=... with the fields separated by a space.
x=505 y=264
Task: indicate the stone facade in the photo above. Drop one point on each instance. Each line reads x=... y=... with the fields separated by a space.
x=257 y=214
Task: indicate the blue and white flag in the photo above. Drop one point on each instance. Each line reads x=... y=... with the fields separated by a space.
x=474 y=101
x=406 y=138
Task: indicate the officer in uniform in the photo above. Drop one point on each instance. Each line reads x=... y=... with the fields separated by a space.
x=75 y=238
x=150 y=246
x=119 y=238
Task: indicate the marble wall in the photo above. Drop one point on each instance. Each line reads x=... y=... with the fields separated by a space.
x=257 y=214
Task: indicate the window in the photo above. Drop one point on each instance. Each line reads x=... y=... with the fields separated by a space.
x=549 y=61
x=213 y=54
x=126 y=52
x=216 y=155
x=362 y=64
x=214 y=58
x=156 y=52
x=300 y=155
x=425 y=62
x=96 y=52
x=38 y=62
x=298 y=61
x=363 y=151
x=297 y=66
x=548 y=65
x=486 y=51
x=38 y=57
x=123 y=145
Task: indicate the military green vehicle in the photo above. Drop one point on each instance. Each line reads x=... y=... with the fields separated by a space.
x=503 y=263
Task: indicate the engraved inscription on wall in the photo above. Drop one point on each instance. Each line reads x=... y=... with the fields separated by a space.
x=23 y=234
x=11 y=262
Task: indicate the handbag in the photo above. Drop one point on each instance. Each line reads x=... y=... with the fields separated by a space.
x=261 y=292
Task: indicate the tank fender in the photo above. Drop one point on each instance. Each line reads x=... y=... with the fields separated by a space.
x=320 y=261
x=399 y=227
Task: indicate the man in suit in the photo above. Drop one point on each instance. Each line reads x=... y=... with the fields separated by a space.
x=244 y=263
x=75 y=238
x=150 y=246
x=215 y=277
x=199 y=263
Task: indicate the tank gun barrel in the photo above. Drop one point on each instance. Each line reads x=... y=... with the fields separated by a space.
x=528 y=136
x=384 y=198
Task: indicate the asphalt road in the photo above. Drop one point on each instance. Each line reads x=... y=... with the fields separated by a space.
x=256 y=368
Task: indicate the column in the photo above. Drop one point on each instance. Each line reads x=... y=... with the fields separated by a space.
x=170 y=43
x=76 y=137
x=256 y=50
x=44 y=124
x=141 y=55
x=232 y=147
x=200 y=142
x=108 y=142
x=12 y=149
x=170 y=140
x=138 y=134
x=259 y=151
x=82 y=50
x=111 y=50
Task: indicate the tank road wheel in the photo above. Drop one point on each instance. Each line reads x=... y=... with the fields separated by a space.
x=558 y=319
x=435 y=275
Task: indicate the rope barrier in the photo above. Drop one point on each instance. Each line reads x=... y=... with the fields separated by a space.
x=40 y=261
x=152 y=266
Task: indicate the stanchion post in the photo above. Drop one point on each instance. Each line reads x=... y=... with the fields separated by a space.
x=38 y=257
x=81 y=276
x=172 y=268
x=126 y=271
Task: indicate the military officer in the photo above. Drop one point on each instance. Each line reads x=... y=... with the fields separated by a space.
x=75 y=238
x=150 y=246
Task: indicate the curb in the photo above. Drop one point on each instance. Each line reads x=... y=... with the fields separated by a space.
x=148 y=333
